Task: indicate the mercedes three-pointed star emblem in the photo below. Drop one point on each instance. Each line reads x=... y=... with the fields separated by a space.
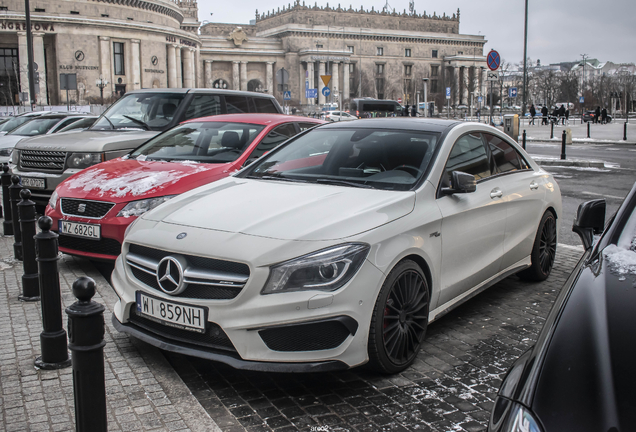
x=170 y=276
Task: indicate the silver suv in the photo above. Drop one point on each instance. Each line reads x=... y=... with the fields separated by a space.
x=45 y=162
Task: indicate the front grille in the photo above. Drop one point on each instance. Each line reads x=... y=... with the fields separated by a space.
x=105 y=246
x=200 y=262
x=92 y=209
x=305 y=337
x=42 y=160
x=194 y=291
x=214 y=337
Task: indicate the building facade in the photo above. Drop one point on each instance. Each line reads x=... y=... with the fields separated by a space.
x=143 y=44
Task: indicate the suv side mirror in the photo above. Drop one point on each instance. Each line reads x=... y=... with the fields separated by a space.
x=461 y=182
x=589 y=220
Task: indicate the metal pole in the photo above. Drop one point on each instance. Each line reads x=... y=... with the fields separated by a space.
x=525 y=66
x=27 y=11
x=625 y=131
x=588 y=129
x=14 y=194
x=425 y=98
x=30 y=283
x=523 y=142
x=491 y=102
x=7 y=224
x=551 y=129
x=563 y=146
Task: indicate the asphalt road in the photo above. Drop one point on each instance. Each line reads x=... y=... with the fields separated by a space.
x=580 y=184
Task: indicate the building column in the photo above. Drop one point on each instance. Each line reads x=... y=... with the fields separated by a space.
x=345 y=82
x=208 y=74
x=135 y=57
x=476 y=87
x=484 y=85
x=335 y=80
x=198 y=66
x=301 y=85
x=172 y=66
x=105 y=65
x=179 y=68
x=24 y=62
x=456 y=95
x=38 y=58
x=244 y=75
x=235 y=75
x=465 y=80
x=321 y=85
x=310 y=76
x=270 y=78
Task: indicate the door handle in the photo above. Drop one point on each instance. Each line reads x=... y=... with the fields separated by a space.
x=496 y=193
x=534 y=185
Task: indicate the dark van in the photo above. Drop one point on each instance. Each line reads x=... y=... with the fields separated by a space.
x=385 y=108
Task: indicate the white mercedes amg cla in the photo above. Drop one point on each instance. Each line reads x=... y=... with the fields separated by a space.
x=339 y=247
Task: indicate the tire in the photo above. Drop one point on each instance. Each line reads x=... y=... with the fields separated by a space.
x=400 y=318
x=543 y=250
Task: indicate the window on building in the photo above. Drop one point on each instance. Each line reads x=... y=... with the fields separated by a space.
x=433 y=86
x=40 y=10
x=407 y=86
x=380 y=51
x=118 y=50
x=434 y=70
x=351 y=49
x=408 y=69
x=4 y=8
x=407 y=52
x=379 y=68
x=434 y=54
x=379 y=85
x=352 y=68
x=74 y=12
x=318 y=45
x=105 y=15
x=460 y=52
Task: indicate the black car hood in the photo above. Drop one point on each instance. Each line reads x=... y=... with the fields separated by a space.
x=587 y=381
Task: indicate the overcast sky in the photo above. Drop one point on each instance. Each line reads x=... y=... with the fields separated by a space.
x=558 y=30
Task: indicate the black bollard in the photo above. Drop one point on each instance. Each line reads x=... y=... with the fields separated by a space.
x=30 y=283
x=14 y=194
x=7 y=224
x=86 y=342
x=563 y=146
x=625 y=131
x=523 y=142
x=588 y=129
x=53 y=338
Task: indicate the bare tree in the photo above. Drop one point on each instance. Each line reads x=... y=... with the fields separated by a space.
x=547 y=84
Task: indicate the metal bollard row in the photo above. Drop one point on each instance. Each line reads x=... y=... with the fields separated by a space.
x=30 y=282
x=14 y=194
x=7 y=224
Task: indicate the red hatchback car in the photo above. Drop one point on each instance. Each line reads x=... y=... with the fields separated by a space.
x=92 y=209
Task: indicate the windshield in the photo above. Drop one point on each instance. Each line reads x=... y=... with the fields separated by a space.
x=380 y=159
x=82 y=124
x=14 y=123
x=209 y=142
x=148 y=111
x=37 y=126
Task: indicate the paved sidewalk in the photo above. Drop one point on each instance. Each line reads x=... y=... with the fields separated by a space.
x=143 y=391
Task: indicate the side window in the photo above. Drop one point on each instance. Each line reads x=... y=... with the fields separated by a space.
x=202 y=106
x=275 y=137
x=469 y=156
x=264 y=105
x=236 y=104
x=504 y=157
x=305 y=126
x=65 y=123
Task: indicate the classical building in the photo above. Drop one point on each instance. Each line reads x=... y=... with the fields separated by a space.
x=141 y=43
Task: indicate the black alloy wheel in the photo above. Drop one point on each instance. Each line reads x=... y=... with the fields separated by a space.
x=400 y=319
x=543 y=250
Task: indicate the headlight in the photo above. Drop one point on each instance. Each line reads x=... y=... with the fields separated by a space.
x=53 y=200
x=509 y=416
x=6 y=151
x=84 y=160
x=325 y=270
x=137 y=208
x=15 y=157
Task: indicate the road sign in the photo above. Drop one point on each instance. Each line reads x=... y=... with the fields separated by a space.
x=306 y=85
x=493 y=60
x=282 y=76
x=492 y=76
x=448 y=93
x=512 y=92
x=326 y=91
x=581 y=99
x=325 y=79
x=480 y=99
x=68 y=81
x=311 y=93
x=399 y=100
x=287 y=95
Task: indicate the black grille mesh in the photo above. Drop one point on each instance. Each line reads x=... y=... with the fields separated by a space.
x=195 y=291
x=200 y=262
x=214 y=337
x=45 y=160
x=305 y=337
x=105 y=246
x=93 y=209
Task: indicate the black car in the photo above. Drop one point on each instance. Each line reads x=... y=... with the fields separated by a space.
x=588 y=116
x=580 y=376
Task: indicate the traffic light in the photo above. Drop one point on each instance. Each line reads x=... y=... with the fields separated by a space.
x=36 y=76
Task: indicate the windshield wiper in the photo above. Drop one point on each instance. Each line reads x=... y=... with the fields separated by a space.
x=343 y=183
x=276 y=177
x=139 y=122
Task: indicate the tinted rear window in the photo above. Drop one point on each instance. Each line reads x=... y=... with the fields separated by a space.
x=264 y=105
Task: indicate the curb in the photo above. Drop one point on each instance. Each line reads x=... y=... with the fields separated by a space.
x=578 y=141
x=566 y=162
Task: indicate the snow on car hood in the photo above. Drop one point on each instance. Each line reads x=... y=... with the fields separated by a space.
x=286 y=211
x=124 y=180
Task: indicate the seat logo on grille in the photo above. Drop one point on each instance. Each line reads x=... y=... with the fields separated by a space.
x=170 y=276
x=81 y=208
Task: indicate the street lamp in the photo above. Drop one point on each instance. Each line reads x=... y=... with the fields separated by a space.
x=424 y=83
x=101 y=83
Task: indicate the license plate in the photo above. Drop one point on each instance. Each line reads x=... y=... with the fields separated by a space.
x=34 y=183
x=83 y=230
x=178 y=315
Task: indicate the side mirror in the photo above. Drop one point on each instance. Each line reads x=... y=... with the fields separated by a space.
x=461 y=182
x=589 y=220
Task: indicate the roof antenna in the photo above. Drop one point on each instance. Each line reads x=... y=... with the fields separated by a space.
x=387 y=8
x=412 y=7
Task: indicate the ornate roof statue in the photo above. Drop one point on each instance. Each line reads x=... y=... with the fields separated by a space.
x=238 y=36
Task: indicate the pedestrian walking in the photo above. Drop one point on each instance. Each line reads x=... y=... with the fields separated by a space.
x=544 y=115
x=597 y=114
x=413 y=111
x=562 y=114
x=604 y=116
x=533 y=112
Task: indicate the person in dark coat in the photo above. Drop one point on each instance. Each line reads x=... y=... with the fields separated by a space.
x=562 y=114
x=414 y=111
x=533 y=112
x=544 y=114
x=604 y=116
x=597 y=114
x=555 y=116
